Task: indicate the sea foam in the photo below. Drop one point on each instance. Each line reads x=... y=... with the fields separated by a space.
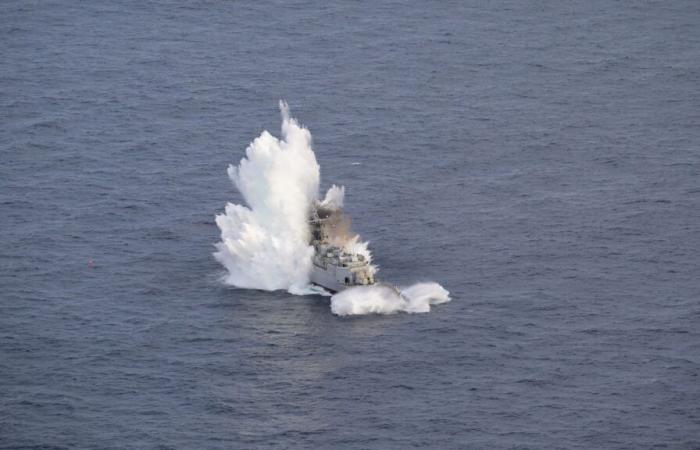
x=381 y=299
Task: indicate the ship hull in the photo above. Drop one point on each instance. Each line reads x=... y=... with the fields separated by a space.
x=326 y=279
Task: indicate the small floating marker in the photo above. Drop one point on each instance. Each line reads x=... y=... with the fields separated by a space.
x=91 y=263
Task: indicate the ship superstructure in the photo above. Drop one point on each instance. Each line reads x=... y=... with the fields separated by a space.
x=334 y=267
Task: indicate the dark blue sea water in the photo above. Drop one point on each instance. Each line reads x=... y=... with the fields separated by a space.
x=541 y=160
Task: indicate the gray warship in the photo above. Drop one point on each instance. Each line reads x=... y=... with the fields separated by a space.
x=334 y=268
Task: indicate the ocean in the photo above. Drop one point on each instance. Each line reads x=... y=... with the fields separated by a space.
x=539 y=160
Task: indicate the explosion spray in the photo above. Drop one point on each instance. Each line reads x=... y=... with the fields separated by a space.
x=266 y=244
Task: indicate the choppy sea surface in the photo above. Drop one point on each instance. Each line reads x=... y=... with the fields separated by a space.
x=539 y=160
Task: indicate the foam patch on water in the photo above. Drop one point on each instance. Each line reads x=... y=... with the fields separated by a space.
x=382 y=299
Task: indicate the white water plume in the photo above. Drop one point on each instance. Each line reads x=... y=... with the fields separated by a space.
x=334 y=198
x=265 y=244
